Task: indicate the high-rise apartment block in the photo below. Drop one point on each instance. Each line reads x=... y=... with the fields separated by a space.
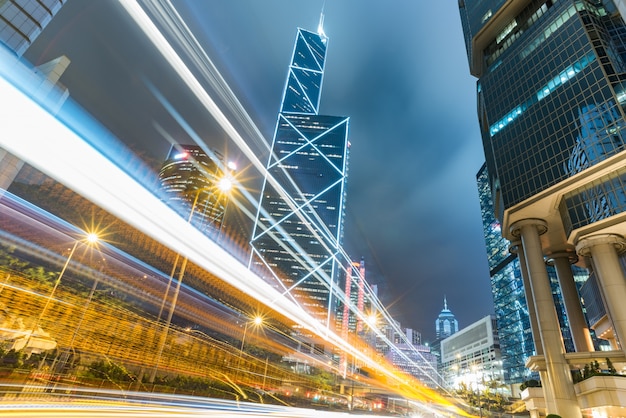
x=551 y=96
x=298 y=230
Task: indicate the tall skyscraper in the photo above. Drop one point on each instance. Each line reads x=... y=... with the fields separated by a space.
x=192 y=180
x=299 y=224
x=354 y=289
x=21 y=22
x=550 y=104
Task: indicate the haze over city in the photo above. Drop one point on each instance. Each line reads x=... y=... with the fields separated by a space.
x=400 y=75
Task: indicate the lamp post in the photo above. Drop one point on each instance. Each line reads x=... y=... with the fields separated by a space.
x=256 y=321
x=90 y=238
x=64 y=357
x=224 y=185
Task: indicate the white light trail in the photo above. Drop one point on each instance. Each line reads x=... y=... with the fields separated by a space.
x=71 y=160
x=35 y=136
x=169 y=54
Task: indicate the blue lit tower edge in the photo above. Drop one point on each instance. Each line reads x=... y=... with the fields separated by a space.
x=296 y=240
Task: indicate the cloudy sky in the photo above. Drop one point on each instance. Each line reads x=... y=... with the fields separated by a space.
x=397 y=68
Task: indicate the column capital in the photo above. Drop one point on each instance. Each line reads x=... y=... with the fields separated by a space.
x=515 y=246
x=539 y=224
x=583 y=246
x=568 y=253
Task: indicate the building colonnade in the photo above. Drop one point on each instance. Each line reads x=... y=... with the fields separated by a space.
x=602 y=251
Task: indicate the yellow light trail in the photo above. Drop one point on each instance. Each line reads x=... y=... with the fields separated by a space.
x=36 y=136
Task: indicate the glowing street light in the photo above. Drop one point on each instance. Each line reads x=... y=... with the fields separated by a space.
x=90 y=238
x=256 y=321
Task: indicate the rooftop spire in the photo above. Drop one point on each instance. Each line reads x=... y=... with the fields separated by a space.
x=320 y=26
x=445 y=302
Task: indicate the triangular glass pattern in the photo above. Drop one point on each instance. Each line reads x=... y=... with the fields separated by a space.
x=302 y=56
x=310 y=83
x=317 y=45
x=296 y=99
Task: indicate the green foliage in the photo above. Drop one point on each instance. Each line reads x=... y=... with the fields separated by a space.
x=12 y=359
x=109 y=371
x=532 y=383
x=322 y=380
x=553 y=416
x=593 y=369
x=609 y=365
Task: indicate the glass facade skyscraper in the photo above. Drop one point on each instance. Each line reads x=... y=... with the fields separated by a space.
x=569 y=90
x=550 y=101
x=516 y=340
x=298 y=229
x=22 y=21
x=190 y=181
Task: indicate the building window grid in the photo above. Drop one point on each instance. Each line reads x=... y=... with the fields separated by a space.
x=533 y=69
x=525 y=171
x=577 y=204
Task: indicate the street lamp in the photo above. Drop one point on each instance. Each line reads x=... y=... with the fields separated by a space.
x=65 y=356
x=256 y=321
x=90 y=238
x=224 y=184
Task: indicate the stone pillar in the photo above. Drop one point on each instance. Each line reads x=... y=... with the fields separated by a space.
x=516 y=248
x=528 y=294
x=559 y=377
x=603 y=250
x=571 y=299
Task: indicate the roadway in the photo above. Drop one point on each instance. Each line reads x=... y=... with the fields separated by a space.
x=109 y=403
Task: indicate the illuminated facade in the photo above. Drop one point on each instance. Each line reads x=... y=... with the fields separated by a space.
x=354 y=289
x=472 y=356
x=298 y=228
x=190 y=178
x=551 y=97
x=416 y=360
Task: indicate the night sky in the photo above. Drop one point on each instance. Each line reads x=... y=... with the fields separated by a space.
x=397 y=68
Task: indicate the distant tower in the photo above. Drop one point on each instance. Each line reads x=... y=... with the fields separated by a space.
x=298 y=229
x=446 y=323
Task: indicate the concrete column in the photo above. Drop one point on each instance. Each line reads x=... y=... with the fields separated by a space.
x=604 y=250
x=571 y=300
x=558 y=371
x=516 y=248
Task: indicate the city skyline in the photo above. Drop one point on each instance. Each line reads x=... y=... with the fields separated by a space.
x=404 y=137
